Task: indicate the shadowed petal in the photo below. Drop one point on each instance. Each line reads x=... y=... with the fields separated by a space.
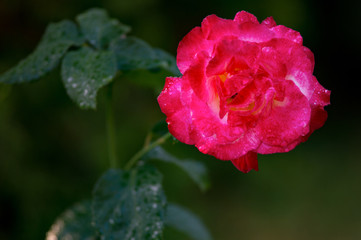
x=247 y=162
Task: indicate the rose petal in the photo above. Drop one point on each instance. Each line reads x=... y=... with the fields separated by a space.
x=196 y=76
x=254 y=32
x=272 y=63
x=243 y=16
x=173 y=102
x=247 y=162
x=287 y=33
x=216 y=28
x=287 y=122
x=282 y=58
x=320 y=96
x=269 y=22
x=188 y=49
x=310 y=56
x=231 y=54
x=216 y=137
x=319 y=99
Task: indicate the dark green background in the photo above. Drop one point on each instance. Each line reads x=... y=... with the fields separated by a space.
x=51 y=153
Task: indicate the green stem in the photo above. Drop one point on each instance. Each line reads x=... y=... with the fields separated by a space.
x=146 y=149
x=112 y=153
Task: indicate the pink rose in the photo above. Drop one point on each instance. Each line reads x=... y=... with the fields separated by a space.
x=247 y=88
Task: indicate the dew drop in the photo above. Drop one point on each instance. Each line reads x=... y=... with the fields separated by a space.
x=266 y=49
x=154 y=188
x=155 y=233
x=74 y=85
x=159 y=225
x=111 y=221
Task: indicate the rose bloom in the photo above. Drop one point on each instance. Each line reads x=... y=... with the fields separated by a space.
x=247 y=88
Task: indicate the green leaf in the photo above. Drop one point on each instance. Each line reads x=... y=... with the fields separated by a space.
x=184 y=221
x=134 y=54
x=84 y=72
x=99 y=29
x=75 y=224
x=194 y=169
x=57 y=39
x=167 y=61
x=129 y=205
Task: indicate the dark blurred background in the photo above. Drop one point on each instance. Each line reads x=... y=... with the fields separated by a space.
x=51 y=153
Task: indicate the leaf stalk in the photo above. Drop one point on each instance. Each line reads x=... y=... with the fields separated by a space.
x=146 y=149
x=112 y=153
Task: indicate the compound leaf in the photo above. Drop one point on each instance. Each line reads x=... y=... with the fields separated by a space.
x=84 y=72
x=57 y=39
x=129 y=205
x=99 y=29
x=133 y=54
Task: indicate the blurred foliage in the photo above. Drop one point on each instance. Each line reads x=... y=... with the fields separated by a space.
x=74 y=223
x=50 y=150
x=184 y=221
